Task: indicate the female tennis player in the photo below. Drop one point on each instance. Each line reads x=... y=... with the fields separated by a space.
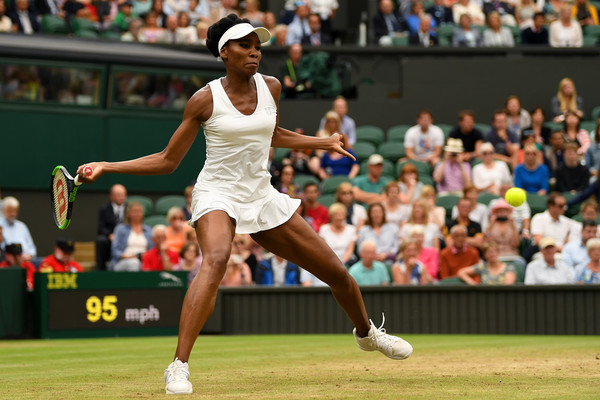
x=239 y=114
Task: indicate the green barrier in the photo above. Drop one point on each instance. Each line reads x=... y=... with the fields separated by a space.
x=96 y=304
x=12 y=302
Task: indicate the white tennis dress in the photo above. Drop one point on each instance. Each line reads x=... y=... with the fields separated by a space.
x=235 y=178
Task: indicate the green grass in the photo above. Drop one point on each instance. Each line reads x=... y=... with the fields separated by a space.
x=306 y=367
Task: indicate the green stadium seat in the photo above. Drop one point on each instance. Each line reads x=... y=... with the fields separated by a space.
x=427 y=180
x=164 y=203
x=369 y=133
x=329 y=185
x=326 y=199
x=596 y=113
x=591 y=31
x=452 y=281
x=483 y=127
x=388 y=168
x=445 y=32
x=589 y=41
x=537 y=203
x=301 y=180
x=392 y=151
x=362 y=150
x=279 y=154
x=84 y=28
x=554 y=126
x=400 y=41
x=516 y=32
x=423 y=168
x=485 y=198
x=155 y=220
x=397 y=133
x=446 y=128
x=146 y=202
x=447 y=201
x=573 y=210
x=589 y=126
x=54 y=25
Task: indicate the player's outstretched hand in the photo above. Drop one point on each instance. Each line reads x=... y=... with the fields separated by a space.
x=337 y=145
x=89 y=172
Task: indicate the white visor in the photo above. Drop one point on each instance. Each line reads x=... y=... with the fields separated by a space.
x=240 y=30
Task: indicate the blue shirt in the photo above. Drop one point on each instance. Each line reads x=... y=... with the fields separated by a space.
x=341 y=166
x=531 y=181
x=17 y=232
x=575 y=253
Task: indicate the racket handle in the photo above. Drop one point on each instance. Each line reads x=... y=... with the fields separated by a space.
x=77 y=183
x=86 y=170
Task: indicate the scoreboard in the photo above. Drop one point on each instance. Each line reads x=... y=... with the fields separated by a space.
x=94 y=304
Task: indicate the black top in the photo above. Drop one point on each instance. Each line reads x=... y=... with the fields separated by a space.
x=468 y=139
x=568 y=179
x=529 y=36
x=472 y=229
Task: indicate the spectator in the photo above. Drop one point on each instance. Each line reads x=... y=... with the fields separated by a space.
x=316 y=36
x=585 y=13
x=492 y=272
x=334 y=163
x=424 y=141
x=304 y=161
x=553 y=154
x=15 y=231
x=470 y=8
x=152 y=31
x=301 y=210
x=419 y=216
x=340 y=106
x=474 y=231
x=546 y=270
x=368 y=188
x=269 y=22
x=478 y=212
x=279 y=35
x=497 y=35
x=387 y=23
x=575 y=252
x=521 y=215
x=238 y=273
x=537 y=34
x=286 y=181
x=437 y=214
x=134 y=32
x=201 y=33
x=413 y=20
x=125 y=15
x=532 y=176
x=299 y=27
x=464 y=35
x=408 y=181
x=221 y=9
x=542 y=133
x=453 y=173
x=159 y=257
x=565 y=31
x=566 y=100
x=506 y=11
x=368 y=270
x=573 y=133
x=429 y=256
x=440 y=13
x=526 y=11
x=589 y=272
x=25 y=18
x=131 y=239
x=253 y=13
x=380 y=232
x=505 y=141
x=2 y=243
x=571 y=175
x=326 y=10
x=198 y=10
x=471 y=137
x=187 y=209
x=62 y=258
x=408 y=269
x=355 y=213
x=173 y=7
x=277 y=271
x=161 y=17
x=528 y=138
x=185 y=29
x=177 y=229
x=592 y=155
x=249 y=250
x=339 y=235
x=504 y=233
x=13 y=256
x=190 y=260
x=517 y=117
x=552 y=223
x=490 y=173
x=315 y=210
x=109 y=216
x=6 y=24
x=396 y=212
x=457 y=254
x=172 y=33
x=292 y=84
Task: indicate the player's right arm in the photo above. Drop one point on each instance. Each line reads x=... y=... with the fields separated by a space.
x=198 y=109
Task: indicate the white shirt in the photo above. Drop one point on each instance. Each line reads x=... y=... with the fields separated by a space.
x=561 y=36
x=338 y=242
x=432 y=231
x=358 y=213
x=562 y=230
x=278 y=271
x=323 y=7
x=306 y=276
x=119 y=211
x=136 y=244
x=423 y=143
x=540 y=273
x=481 y=215
x=484 y=177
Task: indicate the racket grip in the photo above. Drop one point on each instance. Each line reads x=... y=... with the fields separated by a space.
x=77 y=183
x=86 y=170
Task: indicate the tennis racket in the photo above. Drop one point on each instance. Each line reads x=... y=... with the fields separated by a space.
x=63 y=189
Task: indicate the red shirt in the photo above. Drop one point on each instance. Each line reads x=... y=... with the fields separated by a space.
x=51 y=264
x=319 y=214
x=451 y=260
x=151 y=260
x=29 y=267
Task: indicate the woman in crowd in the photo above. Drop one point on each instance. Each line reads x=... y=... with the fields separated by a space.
x=542 y=133
x=187 y=209
x=186 y=30
x=396 y=212
x=566 y=100
x=531 y=176
x=286 y=181
x=464 y=35
x=590 y=272
x=419 y=216
x=573 y=132
x=252 y=12
x=190 y=260
x=429 y=256
x=333 y=163
x=492 y=272
x=132 y=239
x=518 y=117
x=565 y=31
x=437 y=214
x=177 y=229
x=585 y=13
x=339 y=235
x=490 y=173
x=408 y=269
x=152 y=29
x=384 y=235
x=497 y=35
x=408 y=181
x=355 y=213
x=503 y=231
x=238 y=273
x=247 y=249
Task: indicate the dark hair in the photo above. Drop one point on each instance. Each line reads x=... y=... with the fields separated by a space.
x=539 y=14
x=552 y=198
x=369 y=221
x=567 y=115
x=309 y=184
x=425 y=111
x=186 y=246
x=588 y=223
x=465 y=113
x=536 y=108
x=498 y=112
x=216 y=31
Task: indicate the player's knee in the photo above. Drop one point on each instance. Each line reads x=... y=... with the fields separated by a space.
x=216 y=262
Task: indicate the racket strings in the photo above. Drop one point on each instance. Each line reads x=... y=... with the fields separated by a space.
x=60 y=195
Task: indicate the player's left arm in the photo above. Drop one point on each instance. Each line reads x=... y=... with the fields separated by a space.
x=287 y=139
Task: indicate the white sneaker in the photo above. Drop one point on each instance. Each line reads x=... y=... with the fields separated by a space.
x=377 y=339
x=177 y=378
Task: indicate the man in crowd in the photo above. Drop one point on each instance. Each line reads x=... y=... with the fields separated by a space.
x=547 y=270
x=458 y=254
x=368 y=188
x=315 y=210
x=424 y=141
x=62 y=258
x=316 y=37
x=159 y=257
x=15 y=231
x=575 y=252
x=471 y=137
x=340 y=106
x=109 y=216
x=14 y=257
x=369 y=271
x=277 y=271
x=474 y=232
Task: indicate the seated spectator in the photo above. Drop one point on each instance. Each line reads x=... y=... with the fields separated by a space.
x=315 y=210
x=504 y=233
x=585 y=13
x=575 y=252
x=489 y=174
x=492 y=272
x=177 y=229
x=553 y=154
x=526 y=10
x=387 y=23
x=173 y=7
x=190 y=260
x=238 y=273
x=109 y=216
x=474 y=231
x=429 y=256
x=574 y=134
x=279 y=34
x=269 y=22
x=521 y=215
x=565 y=31
x=368 y=270
x=332 y=124
x=152 y=31
x=299 y=27
x=589 y=272
x=339 y=235
x=552 y=223
x=419 y=216
x=547 y=270
x=571 y=175
x=198 y=10
x=408 y=181
x=440 y=13
x=250 y=251
x=292 y=85
x=506 y=11
x=453 y=173
x=5 y=21
x=159 y=257
x=286 y=181
x=187 y=209
x=424 y=141
x=470 y=8
x=542 y=133
x=471 y=137
x=304 y=161
x=505 y=141
x=132 y=239
x=253 y=13
x=172 y=33
x=13 y=256
x=425 y=36
x=531 y=176
x=396 y=212
x=457 y=254
x=497 y=35
x=315 y=36
x=478 y=212
x=309 y=280
x=383 y=234
x=301 y=210
x=61 y=260
x=340 y=106
x=277 y=271
x=592 y=155
x=408 y=269
x=161 y=17
x=125 y=15
x=537 y=34
x=369 y=188
x=413 y=19
x=355 y=213
x=566 y=100
x=334 y=163
x=134 y=32
x=185 y=29
x=326 y=10
x=25 y=18
x=202 y=32
x=437 y=214
x=15 y=231
x=464 y=35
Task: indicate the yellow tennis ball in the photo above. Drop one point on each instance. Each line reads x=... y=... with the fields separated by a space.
x=515 y=196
